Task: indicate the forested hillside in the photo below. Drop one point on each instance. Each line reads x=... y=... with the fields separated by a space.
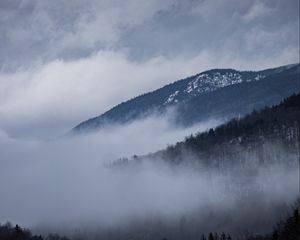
x=285 y=229
x=253 y=161
x=243 y=137
x=9 y=232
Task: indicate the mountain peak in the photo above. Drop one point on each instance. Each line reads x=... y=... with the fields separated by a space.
x=200 y=96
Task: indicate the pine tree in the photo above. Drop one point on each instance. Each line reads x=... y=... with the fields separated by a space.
x=211 y=236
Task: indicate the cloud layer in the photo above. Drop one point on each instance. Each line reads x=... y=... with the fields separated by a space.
x=38 y=177
x=65 y=184
x=41 y=31
x=63 y=62
x=49 y=99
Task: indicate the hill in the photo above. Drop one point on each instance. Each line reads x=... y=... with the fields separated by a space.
x=218 y=93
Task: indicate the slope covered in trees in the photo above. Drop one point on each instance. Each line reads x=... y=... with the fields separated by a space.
x=9 y=232
x=257 y=159
x=285 y=229
x=251 y=134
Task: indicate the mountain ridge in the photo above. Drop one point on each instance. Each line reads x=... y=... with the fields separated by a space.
x=185 y=91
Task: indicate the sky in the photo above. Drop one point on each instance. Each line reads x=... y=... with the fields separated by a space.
x=62 y=62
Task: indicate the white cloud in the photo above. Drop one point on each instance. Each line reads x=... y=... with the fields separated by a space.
x=33 y=29
x=259 y=38
x=257 y=10
x=55 y=96
x=62 y=25
x=50 y=89
x=65 y=181
x=44 y=164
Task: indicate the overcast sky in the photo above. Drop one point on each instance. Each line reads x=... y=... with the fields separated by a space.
x=64 y=61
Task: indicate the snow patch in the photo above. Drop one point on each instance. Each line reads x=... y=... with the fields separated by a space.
x=171 y=98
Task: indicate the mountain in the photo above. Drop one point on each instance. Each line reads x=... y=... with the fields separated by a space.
x=217 y=93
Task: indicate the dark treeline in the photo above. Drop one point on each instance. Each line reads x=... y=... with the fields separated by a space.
x=236 y=139
x=277 y=124
x=9 y=232
x=287 y=229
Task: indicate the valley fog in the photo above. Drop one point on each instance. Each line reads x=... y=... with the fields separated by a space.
x=66 y=185
x=68 y=179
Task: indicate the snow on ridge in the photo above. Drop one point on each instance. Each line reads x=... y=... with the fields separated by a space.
x=172 y=98
x=259 y=76
x=208 y=82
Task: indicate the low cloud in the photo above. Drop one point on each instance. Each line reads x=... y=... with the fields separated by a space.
x=260 y=9
x=33 y=31
x=63 y=62
x=49 y=180
x=49 y=99
x=65 y=185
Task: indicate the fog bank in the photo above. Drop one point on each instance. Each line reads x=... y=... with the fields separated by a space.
x=65 y=184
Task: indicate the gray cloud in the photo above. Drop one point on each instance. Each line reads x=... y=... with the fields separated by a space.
x=65 y=183
x=46 y=30
x=46 y=171
x=49 y=99
x=64 y=61
x=40 y=31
